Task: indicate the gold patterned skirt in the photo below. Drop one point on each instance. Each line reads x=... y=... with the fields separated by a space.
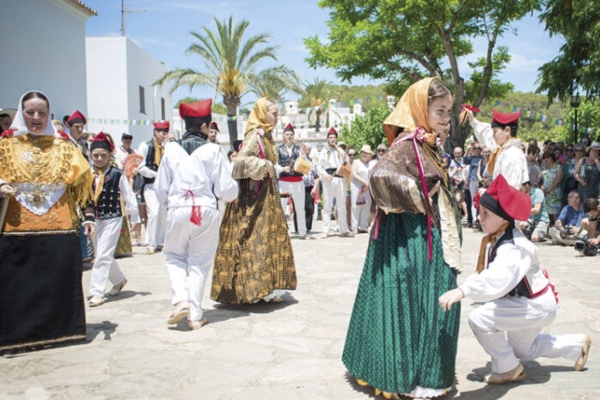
x=124 y=243
x=255 y=254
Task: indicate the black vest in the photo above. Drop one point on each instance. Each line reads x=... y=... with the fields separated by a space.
x=285 y=159
x=522 y=288
x=150 y=160
x=109 y=203
x=192 y=140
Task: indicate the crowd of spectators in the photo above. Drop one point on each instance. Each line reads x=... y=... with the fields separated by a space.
x=564 y=185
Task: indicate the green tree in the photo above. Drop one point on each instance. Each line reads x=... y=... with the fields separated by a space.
x=227 y=59
x=578 y=65
x=367 y=128
x=403 y=41
x=274 y=83
x=317 y=95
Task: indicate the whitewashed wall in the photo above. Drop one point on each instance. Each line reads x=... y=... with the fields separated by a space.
x=43 y=48
x=117 y=67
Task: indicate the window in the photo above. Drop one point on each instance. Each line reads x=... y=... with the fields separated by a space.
x=162 y=108
x=142 y=100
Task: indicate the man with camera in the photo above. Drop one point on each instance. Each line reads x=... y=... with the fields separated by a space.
x=590 y=243
x=567 y=228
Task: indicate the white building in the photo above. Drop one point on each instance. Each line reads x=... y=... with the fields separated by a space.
x=120 y=94
x=43 y=48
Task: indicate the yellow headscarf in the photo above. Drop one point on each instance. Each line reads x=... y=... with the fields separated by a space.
x=411 y=113
x=258 y=117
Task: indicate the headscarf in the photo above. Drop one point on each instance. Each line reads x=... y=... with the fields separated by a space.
x=19 y=126
x=411 y=113
x=259 y=118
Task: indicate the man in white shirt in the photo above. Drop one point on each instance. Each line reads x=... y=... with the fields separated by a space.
x=334 y=185
x=188 y=185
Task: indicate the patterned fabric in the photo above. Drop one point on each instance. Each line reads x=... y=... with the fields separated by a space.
x=124 y=243
x=399 y=337
x=255 y=255
x=553 y=198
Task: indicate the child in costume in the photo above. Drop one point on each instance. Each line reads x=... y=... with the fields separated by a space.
x=108 y=186
x=518 y=299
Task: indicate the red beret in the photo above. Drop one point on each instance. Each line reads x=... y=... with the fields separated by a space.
x=505 y=118
x=102 y=142
x=162 y=125
x=512 y=202
x=76 y=118
x=198 y=109
x=213 y=125
x=332 y=131
x=289 y=127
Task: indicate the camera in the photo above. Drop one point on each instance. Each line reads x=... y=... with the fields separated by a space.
x=584 y=247
x=566 y=231
x=528 y=231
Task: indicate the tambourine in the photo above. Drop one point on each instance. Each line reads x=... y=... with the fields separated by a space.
x=302 y=166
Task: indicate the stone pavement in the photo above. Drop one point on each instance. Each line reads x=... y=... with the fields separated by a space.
x=289 y=350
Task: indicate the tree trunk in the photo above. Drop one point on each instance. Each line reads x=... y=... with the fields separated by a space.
x=318 y=121
x=232 y=104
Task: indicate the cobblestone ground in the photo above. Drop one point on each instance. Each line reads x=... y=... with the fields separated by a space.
x=289 y=350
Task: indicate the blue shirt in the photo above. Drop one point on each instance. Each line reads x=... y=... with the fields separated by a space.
x=570 y=216
x=473 y=163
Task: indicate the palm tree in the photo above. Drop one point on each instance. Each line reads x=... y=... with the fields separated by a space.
x=274 y=82
x=317 y=93
x=228 y=61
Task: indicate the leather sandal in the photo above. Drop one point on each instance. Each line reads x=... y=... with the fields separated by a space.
x=515 y=374
x=181 y=310
x=585 y=351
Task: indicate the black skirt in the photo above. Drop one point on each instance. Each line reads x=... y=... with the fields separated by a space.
x=41 y=296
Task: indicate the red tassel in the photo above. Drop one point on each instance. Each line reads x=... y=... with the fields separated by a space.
x=196 y=217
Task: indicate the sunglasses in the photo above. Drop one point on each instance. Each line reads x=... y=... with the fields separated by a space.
x=352 y=154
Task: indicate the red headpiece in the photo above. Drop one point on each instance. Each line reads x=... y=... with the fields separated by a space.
x=505 y=118
x=506 y=201
x=102 y=142
x=198 y=109
x=332 y=131
x=289 y=128
x=76 y=118
x=215 y=126
x=162 y=125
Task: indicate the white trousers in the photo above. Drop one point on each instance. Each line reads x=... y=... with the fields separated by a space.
x=522 y=320
x=360 y=214
x=473 y=188
x=106 y=267
x=157 y=216
x=190 y=250
x=336 y=189
x=296 y=191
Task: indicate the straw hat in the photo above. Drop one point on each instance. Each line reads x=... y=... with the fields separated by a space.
x=11 y=112
x=366 y=149
x=594 y=145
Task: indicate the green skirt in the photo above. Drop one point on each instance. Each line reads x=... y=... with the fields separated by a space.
x=399 y=337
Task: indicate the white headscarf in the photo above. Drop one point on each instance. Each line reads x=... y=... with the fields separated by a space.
x=20 y=128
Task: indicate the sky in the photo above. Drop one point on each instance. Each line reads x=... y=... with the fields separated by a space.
x=161 y=28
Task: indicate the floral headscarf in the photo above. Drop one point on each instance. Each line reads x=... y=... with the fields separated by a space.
x=411 y=113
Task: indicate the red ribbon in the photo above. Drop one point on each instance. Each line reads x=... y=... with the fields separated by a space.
x=470 y=107
x=196 y=217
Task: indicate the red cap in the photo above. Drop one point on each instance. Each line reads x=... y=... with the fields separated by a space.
x=76 y=118
x=164 y=125
x=289 y=128
x=198 y=109
x=506 y=118
x=213 y=125
x=332 y=131
x=504 y=200
x=102 y=142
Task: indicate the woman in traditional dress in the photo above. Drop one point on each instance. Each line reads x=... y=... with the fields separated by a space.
x=254 y=260
x=43 y=179
x=399 y=340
